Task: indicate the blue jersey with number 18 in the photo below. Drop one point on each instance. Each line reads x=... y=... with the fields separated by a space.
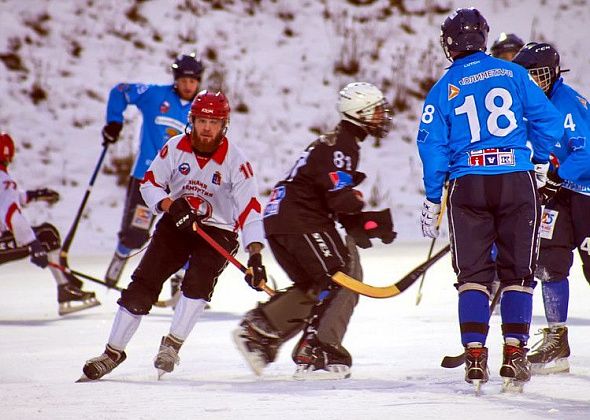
x=473 y=122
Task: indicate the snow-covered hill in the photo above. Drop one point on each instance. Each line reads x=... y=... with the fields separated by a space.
x=281 y=63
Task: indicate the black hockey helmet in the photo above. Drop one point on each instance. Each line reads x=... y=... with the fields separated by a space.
x=506 y=43
x=187 y=65
x=463 y=31
x=542 y=62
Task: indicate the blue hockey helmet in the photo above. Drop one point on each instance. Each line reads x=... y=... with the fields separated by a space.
x=542 y=62
x=506 y=44
x=466 y=30
x=187 y=65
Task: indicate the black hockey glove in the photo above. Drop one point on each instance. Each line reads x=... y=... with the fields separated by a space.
x=548 y=191
x=38 y=254
x=110 y=132
x=369 y=224
x=256 y=274
x=182 y=214
x=43 y=194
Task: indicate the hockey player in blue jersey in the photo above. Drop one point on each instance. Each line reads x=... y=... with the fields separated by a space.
x=472 y=130
x=566 y=222
x=164 y=109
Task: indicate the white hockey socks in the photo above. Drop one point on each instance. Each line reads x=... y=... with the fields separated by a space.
x=124 y=326
x=186 y=314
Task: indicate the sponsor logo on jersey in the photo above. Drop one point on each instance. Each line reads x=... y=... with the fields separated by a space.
x=340 y=179
x=184 y=168
x=164 y=151
x=576 y=143
x=548 y=220
x=478 y=77
x=216 y=178
x=142 y=217
x=164 y=107
x=492 y=157
x=274 y=201
x=453 y=91
x=321 y=244
x=171 y=132
x=583 y=101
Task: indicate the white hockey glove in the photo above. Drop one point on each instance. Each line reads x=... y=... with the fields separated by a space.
x=429 y=219
x=541 y=174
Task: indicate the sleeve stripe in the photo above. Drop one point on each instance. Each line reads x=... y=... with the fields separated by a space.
x=253 y=205
x=11 y=210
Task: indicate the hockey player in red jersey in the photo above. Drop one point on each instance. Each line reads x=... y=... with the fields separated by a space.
x=203 y=178
x=299 y=223
x=42 y=243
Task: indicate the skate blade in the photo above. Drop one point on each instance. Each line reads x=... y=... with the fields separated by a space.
x=334 y=372
x=254 y=361
x=555 y=366
x=477 y=383
x=83 y=379
x=511 y=385
x=66 y=308
x=161 y=373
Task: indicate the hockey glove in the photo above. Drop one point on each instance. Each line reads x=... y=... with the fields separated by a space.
x=429 y=219
x=110 y=132
x=541 y=174
x=551 y=187
x=256 y=274
x=38 y=254
x=43 y=194
x=369 y=224
x=353 y=224
x=182 y=214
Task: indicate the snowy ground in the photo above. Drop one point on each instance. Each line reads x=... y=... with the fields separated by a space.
x=397 y=348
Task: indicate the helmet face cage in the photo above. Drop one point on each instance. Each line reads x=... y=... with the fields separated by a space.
x=364 y=105
x=544 y=77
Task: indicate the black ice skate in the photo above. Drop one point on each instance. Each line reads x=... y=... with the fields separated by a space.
x=476 y=367
x=73 y=299
x=99 y=366
x=317 y=361
x=167 y=355
x=550 y=354
x=516 y=369
x=257 y=341
x=115 y=269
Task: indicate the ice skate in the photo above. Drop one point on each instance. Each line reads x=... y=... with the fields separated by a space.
x=320 y=361
x=115 y=269
x=476 y=367
x=516 y=369
x=71 y=299
x=550 y=354
x=167 y=355
x=99 y=366
x=257 y=341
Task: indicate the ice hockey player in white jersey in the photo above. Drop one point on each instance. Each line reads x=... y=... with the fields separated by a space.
x=203 y=178
x=42 y=243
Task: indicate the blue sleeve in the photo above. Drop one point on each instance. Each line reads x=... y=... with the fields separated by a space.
x=544 y=120
x=433 y=147
x=125 y=94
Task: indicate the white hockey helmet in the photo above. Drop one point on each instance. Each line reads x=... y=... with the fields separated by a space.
x=363 y=104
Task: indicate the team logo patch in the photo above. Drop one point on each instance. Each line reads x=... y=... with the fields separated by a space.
x=184 y=168
x=164 y=151
x=171 y=132
x=453 y=91
x=422 y=134
x=340 y=179
x=492 y=157
x=141 y=217
x=164 y=107
x=216 y=178
x=548 y=220
x=274 y=201
x=576 y=143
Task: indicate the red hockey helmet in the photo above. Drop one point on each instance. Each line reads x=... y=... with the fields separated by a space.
x=6 y=148
x=210 y=105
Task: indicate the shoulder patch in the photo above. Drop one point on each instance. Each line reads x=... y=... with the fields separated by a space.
x=453 y=91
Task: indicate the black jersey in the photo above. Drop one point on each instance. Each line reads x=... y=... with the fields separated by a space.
x=319 y=186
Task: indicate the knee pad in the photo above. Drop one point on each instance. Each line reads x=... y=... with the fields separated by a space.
x=49 y=236
x=135 y=305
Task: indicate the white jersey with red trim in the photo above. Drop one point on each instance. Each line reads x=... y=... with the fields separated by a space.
x=11 y=217
x=221 y=188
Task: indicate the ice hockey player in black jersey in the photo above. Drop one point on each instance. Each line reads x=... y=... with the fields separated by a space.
x=299 y=223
